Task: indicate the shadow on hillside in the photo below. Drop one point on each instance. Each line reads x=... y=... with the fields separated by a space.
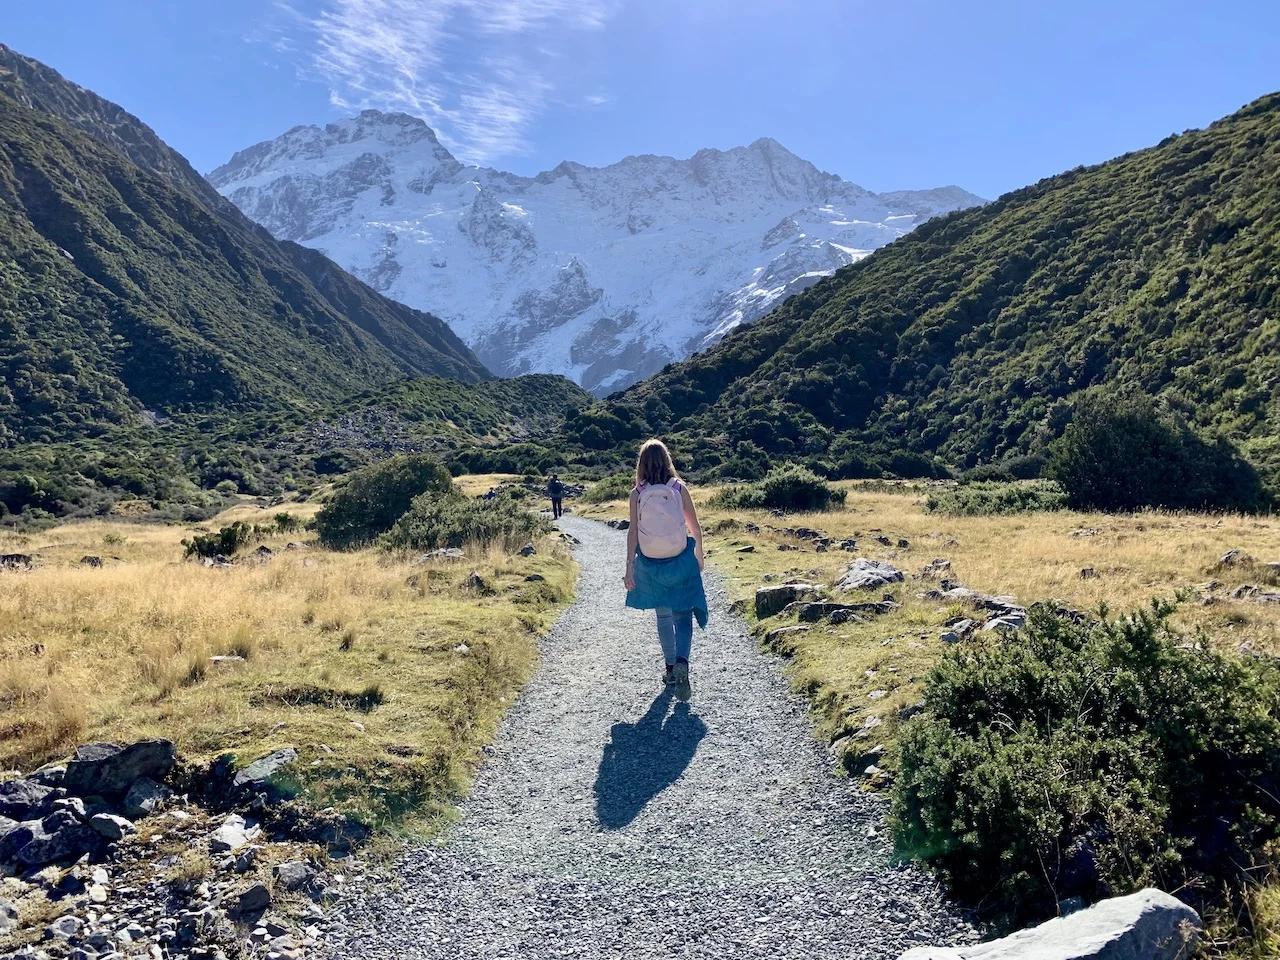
x=643 y=758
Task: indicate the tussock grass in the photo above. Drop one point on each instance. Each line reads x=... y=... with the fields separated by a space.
x=324 y=638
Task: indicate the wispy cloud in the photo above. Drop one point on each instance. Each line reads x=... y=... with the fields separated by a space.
x=480 y=71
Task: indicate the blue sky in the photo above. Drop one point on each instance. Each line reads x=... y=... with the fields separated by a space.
x=894 y=94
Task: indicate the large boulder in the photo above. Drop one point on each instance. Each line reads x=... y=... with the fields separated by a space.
x=109 y=769
x=864 y=574
x=773 y=600
x=59 y=836
x=26 y=799
x=1148 y=925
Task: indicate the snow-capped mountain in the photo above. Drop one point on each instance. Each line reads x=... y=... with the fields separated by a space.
x=601 y=274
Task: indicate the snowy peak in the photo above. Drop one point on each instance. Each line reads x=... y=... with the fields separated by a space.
x=604 y=274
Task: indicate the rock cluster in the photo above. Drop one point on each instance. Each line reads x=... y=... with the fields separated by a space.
x=135 y=854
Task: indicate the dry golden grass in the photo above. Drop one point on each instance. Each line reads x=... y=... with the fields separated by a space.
x=1028 y=556
x=386 y=675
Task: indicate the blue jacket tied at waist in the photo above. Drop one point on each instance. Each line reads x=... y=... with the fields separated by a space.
x=675 y=583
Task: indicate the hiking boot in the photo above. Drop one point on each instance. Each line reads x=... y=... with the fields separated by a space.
x=681 y=673
x=669 y=675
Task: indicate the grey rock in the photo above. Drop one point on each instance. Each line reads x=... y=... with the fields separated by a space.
x=527 y=550
x=144 y=797
x=108 y=769
x=111 y=826
x=64 y=928
x=293 y=875
x=73 y=805
x=8 y=917
x=14 y=835
x=253 y=900
x=1233 y=558
x=1148 y=925
x=233 y=834
x=266 y=774
x=59 y=836
x=49 y=776
x=772 y=600
x=865 y=574
x=91 y=561
x=26 y=799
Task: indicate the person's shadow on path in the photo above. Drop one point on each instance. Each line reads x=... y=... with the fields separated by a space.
x=643 y=758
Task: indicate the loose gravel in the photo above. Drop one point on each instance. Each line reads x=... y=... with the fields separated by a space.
x=614 y=821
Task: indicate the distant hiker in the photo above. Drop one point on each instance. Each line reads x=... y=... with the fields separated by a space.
x=664 y=559
x=555 y=490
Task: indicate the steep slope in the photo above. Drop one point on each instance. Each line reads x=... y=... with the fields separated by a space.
x=1153 y=273
x=128 y=285
x=604 y=275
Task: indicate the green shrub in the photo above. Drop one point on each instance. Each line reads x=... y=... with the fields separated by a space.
x=1125 y=455
x=615 y=487
x=985 y=498
x=375 y=497
x=1081 y=758
x=288 y=523
x=225 y=543
x=790 y=488
x=450 y=520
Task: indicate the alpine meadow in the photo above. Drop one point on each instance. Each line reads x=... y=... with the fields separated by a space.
x=916 y=598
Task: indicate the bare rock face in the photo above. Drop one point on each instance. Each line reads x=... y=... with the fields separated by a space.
x=1148 y=925
x=108 y=769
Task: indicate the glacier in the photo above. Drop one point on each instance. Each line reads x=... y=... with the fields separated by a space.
x=602 y=274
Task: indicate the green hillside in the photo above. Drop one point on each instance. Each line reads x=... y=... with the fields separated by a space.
x=187 y=467
x=124 y=287
x=966 y=342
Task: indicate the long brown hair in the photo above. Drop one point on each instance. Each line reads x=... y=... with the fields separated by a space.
x=654 y=465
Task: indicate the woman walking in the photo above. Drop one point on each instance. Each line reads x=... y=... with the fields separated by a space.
x=665 y=560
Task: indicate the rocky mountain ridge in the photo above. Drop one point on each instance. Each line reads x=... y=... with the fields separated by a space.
x=602 y=274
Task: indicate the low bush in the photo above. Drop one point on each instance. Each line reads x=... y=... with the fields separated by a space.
x=1089 y=758
x=375 y=497
x=615 y=487
x=450 y=520
x=985 y=498
x=225 y=543
x=1126 y=455
x=790 y=488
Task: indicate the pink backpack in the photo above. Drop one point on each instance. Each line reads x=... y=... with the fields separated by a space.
x=660 y=528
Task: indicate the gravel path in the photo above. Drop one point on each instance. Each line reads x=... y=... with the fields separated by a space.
x=614 y=821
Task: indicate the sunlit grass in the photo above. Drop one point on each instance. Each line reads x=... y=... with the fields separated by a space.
x=128 y=651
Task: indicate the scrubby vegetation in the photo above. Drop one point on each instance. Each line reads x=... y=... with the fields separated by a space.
x=616 y=486
x=983 y=497
x=1125 y=455
x=1090 y=759
x=789 y=488
x=373 y=499
x=437 y=520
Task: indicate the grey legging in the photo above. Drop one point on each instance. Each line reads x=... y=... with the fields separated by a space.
x=675 y=633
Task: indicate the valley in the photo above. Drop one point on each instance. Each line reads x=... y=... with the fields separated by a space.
x=294 y=663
